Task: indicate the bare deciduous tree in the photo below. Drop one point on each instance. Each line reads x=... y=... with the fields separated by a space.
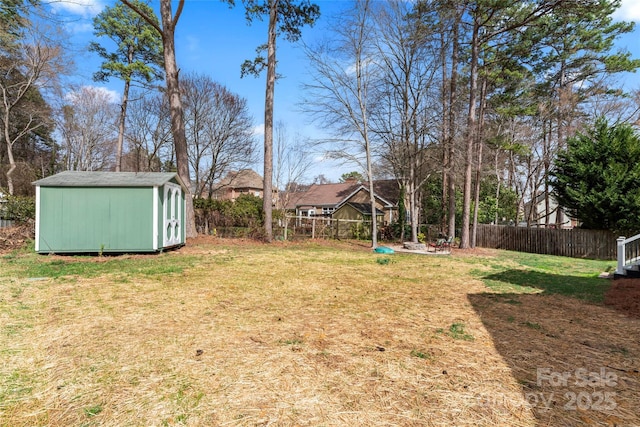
x=292 y=161
x=148 y=137
x=219 y=129
x=88 y=129
x=34 y=65
x=341 y=93
x=407 y=121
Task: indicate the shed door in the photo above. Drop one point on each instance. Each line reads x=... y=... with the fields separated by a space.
x=172 y=214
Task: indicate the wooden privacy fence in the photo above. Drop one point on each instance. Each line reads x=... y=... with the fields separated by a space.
x=575 y=243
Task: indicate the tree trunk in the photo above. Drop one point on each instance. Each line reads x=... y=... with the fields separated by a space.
x=445 y=140
x=479 y=144
x=361 y=89
x=412 y=204
x=121 y=125
x=453 y=96
x=176 y=111
x=498 y=184
x=402 y=212
x=12 y=162
x=267 y=197
x=12 y=168
x=470 y=138
x=374 y=216
x=367 y=147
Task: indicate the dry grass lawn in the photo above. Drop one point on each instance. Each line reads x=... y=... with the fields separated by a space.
x=307 y=334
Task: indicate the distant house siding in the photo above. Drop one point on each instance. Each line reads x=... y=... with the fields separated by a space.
x=535 y=214
x=347 y=212
x=361 y=196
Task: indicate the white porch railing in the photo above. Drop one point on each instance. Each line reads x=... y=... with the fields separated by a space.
x=628 y=253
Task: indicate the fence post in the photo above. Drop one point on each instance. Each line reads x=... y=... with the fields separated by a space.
x=286 y=226
x=621 y=255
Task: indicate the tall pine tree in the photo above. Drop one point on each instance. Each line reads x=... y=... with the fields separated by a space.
x=286 y=18
x=137 y=57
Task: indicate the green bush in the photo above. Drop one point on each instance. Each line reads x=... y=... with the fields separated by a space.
x=359 y=231
x=596 y=178
x=245 y=211
x=19 y=208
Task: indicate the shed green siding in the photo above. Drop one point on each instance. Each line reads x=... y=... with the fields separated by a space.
x=101 y=212
x=96 y=219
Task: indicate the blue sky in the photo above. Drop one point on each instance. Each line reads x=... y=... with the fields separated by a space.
x=213 y=39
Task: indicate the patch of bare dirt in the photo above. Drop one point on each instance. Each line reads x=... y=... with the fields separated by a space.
x=12 y=238
x=472 y=252
x=624 y=296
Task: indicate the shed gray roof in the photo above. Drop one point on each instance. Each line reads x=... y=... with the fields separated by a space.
x=108 y=179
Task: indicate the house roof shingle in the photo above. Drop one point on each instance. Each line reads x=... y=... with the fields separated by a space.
x=387 y=189
x=245 y=178
x=323 y=195
x=364 y=208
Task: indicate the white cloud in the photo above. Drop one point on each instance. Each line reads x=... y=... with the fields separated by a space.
x=628 y=11
x=111 y=95
x=84 y=8
x=365 y=64
x=193 y=43
x=78 y=27
x=258 y=130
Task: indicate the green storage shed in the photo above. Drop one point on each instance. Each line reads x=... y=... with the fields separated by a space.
x=109 y=212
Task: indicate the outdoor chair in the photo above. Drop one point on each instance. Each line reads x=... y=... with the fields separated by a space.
x=441 y=244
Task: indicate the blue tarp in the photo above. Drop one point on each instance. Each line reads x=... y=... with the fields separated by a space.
x=384 y=250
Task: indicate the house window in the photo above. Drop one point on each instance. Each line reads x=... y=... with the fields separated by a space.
x=328 y=211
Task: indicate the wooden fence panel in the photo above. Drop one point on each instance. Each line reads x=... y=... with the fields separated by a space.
x=576 y=243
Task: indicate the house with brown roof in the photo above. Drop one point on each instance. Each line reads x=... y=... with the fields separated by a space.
x=236 y=183
x=350 y=200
